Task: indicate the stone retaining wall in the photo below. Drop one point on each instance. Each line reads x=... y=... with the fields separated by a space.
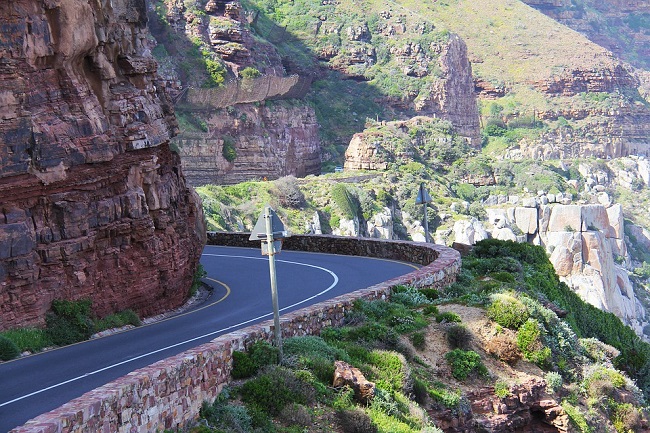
x=169 y=393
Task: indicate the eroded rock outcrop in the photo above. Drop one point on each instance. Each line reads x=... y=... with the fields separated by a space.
x=583 y=241
x=420 y=137
x=347 y=375
x=527 y=408
x=92 y=201
x=267 y=142
x=262 y=140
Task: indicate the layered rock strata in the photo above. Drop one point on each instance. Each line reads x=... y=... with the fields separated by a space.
x=262 y=140
x=92 y=201
x=268 y=142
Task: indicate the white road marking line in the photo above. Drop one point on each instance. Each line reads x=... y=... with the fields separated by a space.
x=336 y=280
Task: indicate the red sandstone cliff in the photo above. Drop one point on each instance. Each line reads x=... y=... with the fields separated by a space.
x=92 y=201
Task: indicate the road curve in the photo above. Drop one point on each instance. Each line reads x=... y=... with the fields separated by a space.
x=240 y=277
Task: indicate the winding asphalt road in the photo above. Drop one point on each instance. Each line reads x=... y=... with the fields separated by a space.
x=240 y=277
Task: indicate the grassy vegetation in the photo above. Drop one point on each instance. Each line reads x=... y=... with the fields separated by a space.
x=68 y=322
x=287 y=397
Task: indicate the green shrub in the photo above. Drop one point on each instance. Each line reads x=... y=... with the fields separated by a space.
x=260 y=354
x=495 y=130
x=458 y=336
x=600 y=381
x=275 y=388
x=242 y=365
x=418 y=340
x=28 y=339
x=576 y=417
x=118 y=320
x=260 y=420
x=447 y=317
x=249 y=72
x=311 y=346
x=529 y=342
x=389 y=370
x=449 y=399
x=501 y=389
x=263 y=354
x=465 y=362
x=347 y=202
x=553 y=381
x=599 y=351
x=395 y=315
x=8 y=349
x=431 y=294
x=430 y=310
x=409 y=296
x=229 y=150
x=216 y=71
x=199 y=274
x=465 y=191
x=69 y=322
x=626 y=418
x=226 y=417
x=355 y=421
x=387 y=423
x=344 y=399
x=507 y=311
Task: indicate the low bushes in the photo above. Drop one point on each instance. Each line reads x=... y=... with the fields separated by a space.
x=275 y=388
x=69 y=322
x=458 y=336
x=28 y=339
x=507 y=311
x=246 y=364
x=465 y=362
x=529 y=342
x=355 y=421
x=504 y=347
x=8 y=349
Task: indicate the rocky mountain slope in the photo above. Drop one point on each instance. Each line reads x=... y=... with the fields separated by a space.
x=93 y=203
x=621 y=26
x=394 y=67
x=395 y=83
x=556 y=93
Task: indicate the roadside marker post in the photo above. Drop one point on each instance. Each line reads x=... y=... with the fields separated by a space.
x=424 y=198
x=270 y=230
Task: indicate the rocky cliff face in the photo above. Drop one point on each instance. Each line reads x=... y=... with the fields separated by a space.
x=265 y=141
x=269 y=142
x=584 y=242
x=420 y=138
x=92 y=201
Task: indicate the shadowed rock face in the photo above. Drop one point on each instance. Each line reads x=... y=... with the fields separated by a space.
x=92 y=201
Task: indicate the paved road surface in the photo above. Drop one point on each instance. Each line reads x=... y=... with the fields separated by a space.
x=241 y=296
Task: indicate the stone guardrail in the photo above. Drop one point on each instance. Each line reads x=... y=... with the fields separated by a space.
x=169 y=393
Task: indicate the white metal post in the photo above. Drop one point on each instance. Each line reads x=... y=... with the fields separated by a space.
x=426 y=219
x=274 y=286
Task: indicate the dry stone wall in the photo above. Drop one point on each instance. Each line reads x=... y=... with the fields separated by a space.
x=170 y=392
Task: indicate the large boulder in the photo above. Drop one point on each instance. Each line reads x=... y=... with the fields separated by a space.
x=347 y=375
